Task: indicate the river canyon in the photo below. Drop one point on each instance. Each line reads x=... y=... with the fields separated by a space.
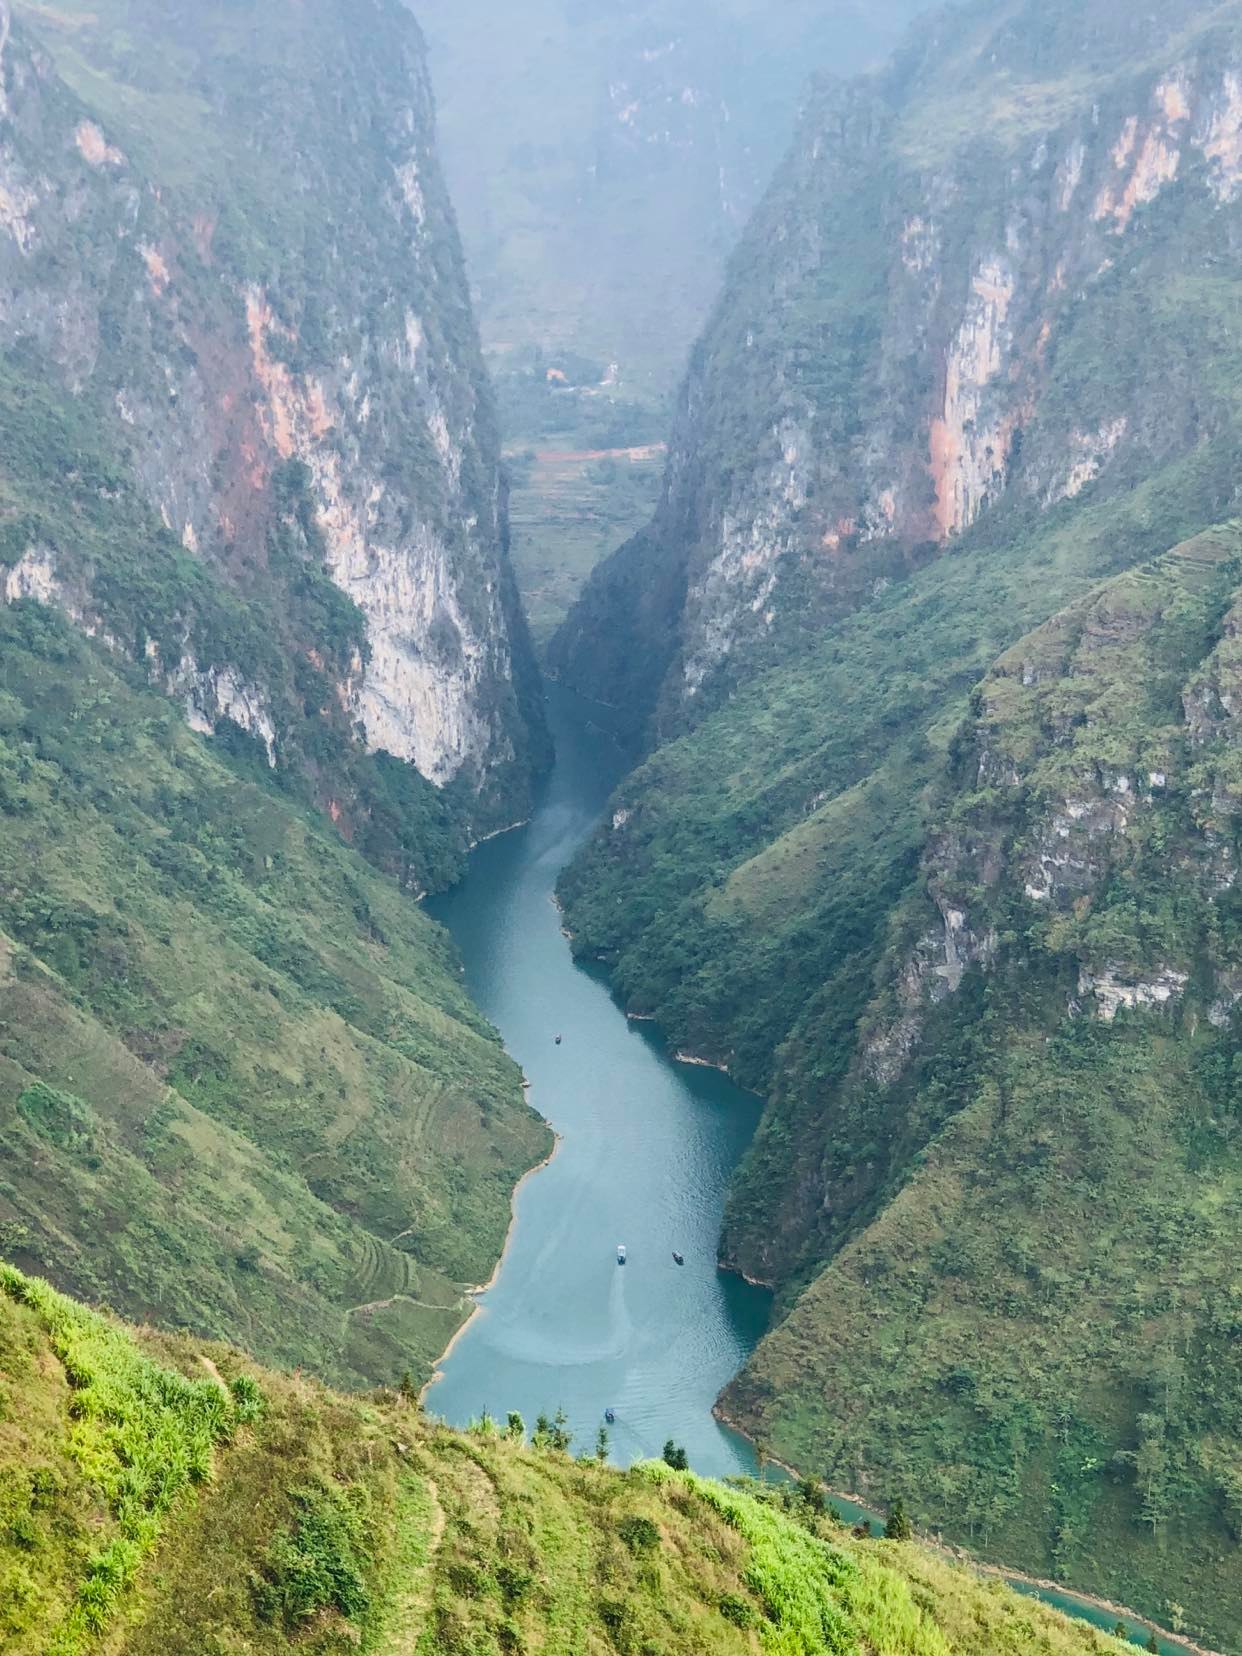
x=645 y=1149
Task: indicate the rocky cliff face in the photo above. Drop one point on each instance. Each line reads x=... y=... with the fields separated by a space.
x=942 y=859
x=935 y=319
x=231 y=249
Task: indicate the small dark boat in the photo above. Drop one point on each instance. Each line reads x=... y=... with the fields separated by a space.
x=620 y=1253
x=610 y=1416
x=558 y=1040
x=679 y=1259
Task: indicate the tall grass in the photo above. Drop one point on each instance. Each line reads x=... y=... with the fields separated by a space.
x=140 y=1434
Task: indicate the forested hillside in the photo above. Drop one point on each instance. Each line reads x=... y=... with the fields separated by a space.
x=948 y=880
x=263 y=676
x=158 y=1495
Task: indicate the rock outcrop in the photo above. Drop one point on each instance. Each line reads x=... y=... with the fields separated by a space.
x=923 y=330
x=258 y=298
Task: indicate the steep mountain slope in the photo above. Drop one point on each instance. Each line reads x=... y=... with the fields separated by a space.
x=604 y=158
x=1029 y=1182
x=996 y=370
x=156 y=1496
x=228 y=248
x=241 y=1087
x=248 y=449
x=948 y=311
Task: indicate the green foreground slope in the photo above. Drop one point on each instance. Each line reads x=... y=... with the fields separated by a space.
x=241 y=1087
x=159 y=1496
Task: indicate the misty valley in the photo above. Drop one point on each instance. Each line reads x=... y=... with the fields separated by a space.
x=620 y=828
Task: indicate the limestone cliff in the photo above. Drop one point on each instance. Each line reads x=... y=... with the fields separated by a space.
x=936 y=318
x=942 y=859
x=229 y=250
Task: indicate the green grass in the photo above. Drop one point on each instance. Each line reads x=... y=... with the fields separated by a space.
x=257 y=1511
x=136 y=1436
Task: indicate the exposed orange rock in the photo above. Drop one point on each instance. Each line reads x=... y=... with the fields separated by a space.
x=94 y=148
x=157 y=269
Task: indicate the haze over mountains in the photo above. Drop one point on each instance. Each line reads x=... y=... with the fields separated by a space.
x=925 y=641
x=604 y=160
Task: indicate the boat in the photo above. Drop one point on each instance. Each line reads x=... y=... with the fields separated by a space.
x=620 y=1253
x=678 y=1259
x=610 y=1415
x=558 y=1040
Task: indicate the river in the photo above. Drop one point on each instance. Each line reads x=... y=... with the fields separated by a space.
x=646 y=1150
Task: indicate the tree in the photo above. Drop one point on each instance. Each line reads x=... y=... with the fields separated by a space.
x=515 y=1427
x=562 y=1437
x=898 y=1527
x=811 y=1495
x=1153 y=1644
x=761 y=1456
x=408 y=1390
x=1120 y=1630
x=676 y=1457
x=601 y=1445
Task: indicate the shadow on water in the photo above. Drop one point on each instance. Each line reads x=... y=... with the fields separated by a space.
x=647 y=1149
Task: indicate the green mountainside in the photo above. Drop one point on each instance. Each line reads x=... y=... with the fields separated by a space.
x=951 y=882
x=248 y=448
x=158 y=1495
x=242 y=1090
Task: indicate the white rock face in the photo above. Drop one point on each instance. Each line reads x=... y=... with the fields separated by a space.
x=741 y=576
x=218 y=693
x=420 y=696
x=33 y=576
x=969 y=450
x=1088 y=452
x=1113 y=990
x=206 y=695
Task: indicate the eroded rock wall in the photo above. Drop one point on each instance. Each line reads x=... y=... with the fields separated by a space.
x=274 y=333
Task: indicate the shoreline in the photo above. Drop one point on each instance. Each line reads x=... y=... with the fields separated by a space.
x=509 y=828
x=437 y=1370
x=680 y=1057
x=752 y=1282
x=982 y=1566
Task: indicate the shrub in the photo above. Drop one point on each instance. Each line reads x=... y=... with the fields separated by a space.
x=639 y=1534
x=317 y=1563
x=736 y=1610
x=247 y=1399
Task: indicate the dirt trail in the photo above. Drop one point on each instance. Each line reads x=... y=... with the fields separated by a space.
x=213 y=1373
x=386 y=1304
x=409 y=1611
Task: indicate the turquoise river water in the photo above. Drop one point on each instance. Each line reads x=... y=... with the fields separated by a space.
x=646 y=1148
x=645 y=1154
